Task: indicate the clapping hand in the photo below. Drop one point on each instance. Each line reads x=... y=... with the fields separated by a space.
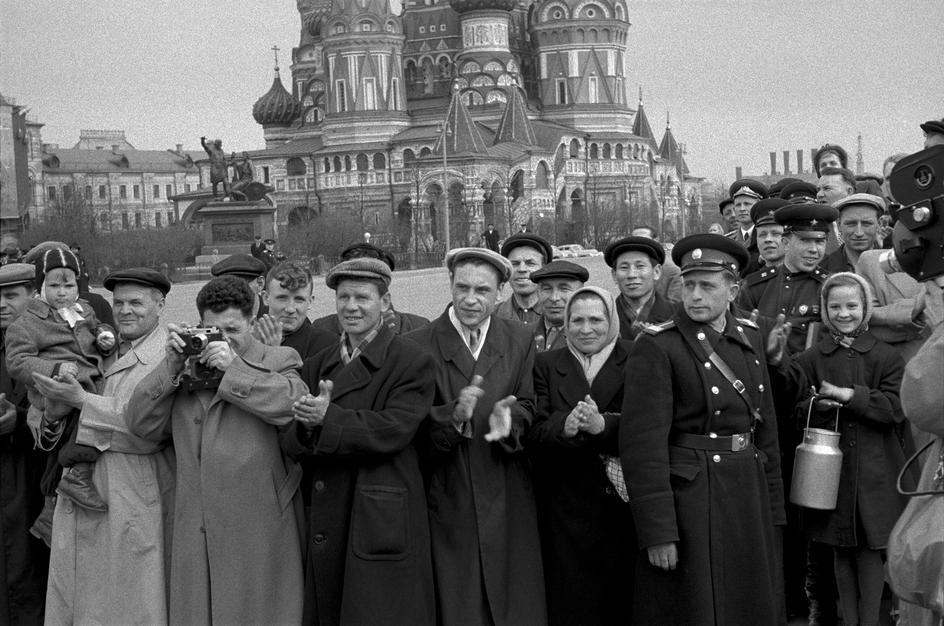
x=268 y=330
x=777 y=340
x=7 y=415
x=468 y=398
x=310 y=410
x=499 y=422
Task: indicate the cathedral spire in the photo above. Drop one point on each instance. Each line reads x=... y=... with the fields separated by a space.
x=461 y=133
x=515 y=125
x=641 y=127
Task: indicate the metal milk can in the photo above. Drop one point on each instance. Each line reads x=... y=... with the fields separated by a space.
x=817 y=467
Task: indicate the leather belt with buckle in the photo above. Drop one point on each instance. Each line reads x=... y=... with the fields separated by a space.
x=729 y=443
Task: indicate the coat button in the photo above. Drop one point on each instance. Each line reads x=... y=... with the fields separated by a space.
x=197 y=420
x=718 y=412
x=716 y=458
x=712 y=435
x=707 y=365
x=760 y=387
x=715 y=390
x=700 y=336
x=852 y=444
x=320 y=538
x=319 y=485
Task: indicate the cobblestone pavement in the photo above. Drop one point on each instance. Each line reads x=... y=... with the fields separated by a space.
x=423 y=292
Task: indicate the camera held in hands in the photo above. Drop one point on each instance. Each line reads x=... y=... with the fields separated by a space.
x=917 y=182
x=198 y=375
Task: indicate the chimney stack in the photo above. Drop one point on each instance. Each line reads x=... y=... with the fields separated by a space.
x=799 y=161
x=786 y=162
x=737 y=173
x=180 y=147
x=773 y=163
x=813 y=160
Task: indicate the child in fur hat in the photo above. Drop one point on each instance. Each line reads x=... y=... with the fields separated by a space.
x=59 y=336
x=853 y=373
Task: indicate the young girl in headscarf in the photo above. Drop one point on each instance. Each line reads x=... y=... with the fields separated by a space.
x=587 y=537
x=859 y=376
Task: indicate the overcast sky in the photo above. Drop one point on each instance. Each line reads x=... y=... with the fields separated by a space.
x=740 y=77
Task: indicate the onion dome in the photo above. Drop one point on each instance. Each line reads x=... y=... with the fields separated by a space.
x=277 y=106
x=464 y=6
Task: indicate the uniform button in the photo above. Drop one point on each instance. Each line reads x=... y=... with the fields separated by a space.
x=712 y=435
x=761 y=387
x=707 y=366
x=701 y=336
x=740 y=330
x=716 y=458
x=786 y=286
x=68 y=506
x=717 y=412
x=319 y=485
x=715 y=390
x=320 y=538
x=852 y=444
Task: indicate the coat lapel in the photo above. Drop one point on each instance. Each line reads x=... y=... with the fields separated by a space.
x=357 y=374
x=609 y=381
x=572 y=385
x=493 y=350
x=453 y=349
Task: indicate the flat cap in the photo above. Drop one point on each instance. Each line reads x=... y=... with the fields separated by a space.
x=244 y=266
x=634 y=244
x=748 y=187
x=561 y=269
x=500 y=263
x=861 y=199
x=13 y=274
x=36 y=252
x=762 y=213
x=729 y=201
x=361 y=267
x=710 y=253
x=806 y=217
x=370 y=251
x=528 y=239
x=798 y=189
x=139 y=276
x=933 y=126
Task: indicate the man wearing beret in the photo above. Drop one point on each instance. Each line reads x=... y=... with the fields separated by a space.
x=251 y=270
x=368 y=555
x=100 y=572
x=557 y=281
x=858 y=229
x=482 y=512
x=24 y=559
x=703 y=467
x=933 y=133
x=401 y=323
x=527 y=253
x=636 y=266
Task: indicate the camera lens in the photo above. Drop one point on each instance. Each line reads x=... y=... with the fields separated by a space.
x=924 y=176
x=199 y=341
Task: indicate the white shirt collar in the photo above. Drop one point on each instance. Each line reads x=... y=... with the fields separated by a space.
x=464 y=332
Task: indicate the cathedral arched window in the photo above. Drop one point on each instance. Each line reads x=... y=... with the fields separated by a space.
x=483 y=81
x=541 y=175
x=594 y=151
x=620 y=13
x=408 y=156
x=506 y=80
x=337 y=164
x=295 y=167
x=365 y=26
x=574 y=148
x=512 y=67
x=425 y=152
x=445 y=67
x=471 y=68
x=496 y=95
x=474 y=98
x=494 y=66
x=380 y=162
x=606 y=151
x=338 y=29
x=361 y=162
x=619 y=151
x=347 y=163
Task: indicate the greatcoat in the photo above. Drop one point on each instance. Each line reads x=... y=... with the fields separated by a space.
x=368 y=556
x=720 y=507
x=483 y=523
x=236 y=557
x=587 y=534
x=109 y=567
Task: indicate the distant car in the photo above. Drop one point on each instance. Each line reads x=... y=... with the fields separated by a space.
x=577 y=251
x=562 y=254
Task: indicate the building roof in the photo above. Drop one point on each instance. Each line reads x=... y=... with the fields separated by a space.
x=641 y=127
x=670 y=151
x=277 y=106
x=292 y=147
x=104 y=161
x=463 y=134
x=515 y=126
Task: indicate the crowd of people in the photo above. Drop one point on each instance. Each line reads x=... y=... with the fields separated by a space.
x=562 y=456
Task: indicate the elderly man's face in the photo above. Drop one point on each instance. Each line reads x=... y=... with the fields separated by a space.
x=524 y=260
x=13 y=301
x=137 y=309
x=831 y=188
x=475 y=289
x=554 y=294
x=858 y=226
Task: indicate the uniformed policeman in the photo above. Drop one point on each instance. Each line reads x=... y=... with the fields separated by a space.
x=702 y=467
x=745 y=192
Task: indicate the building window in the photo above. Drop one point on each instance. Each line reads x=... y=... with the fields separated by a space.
x=168 y=191
x=395 y=95
x=102 y=192
x=295 y=167
x=51 y=192
x=432 y=28
x=88 y=192
x=291 y=184
x=123 y=192
x=186 y=187
x=594 y=93
x=170 y=218
x=280 y=184
x=370 y=94
x=136 y=192
x=561 y=91
x=442 y=28
x=340 y=95
x=422 y=30
x=124 y=219
x=157 y=192
x=157 y=220
x=265 y=174
x=137 y=218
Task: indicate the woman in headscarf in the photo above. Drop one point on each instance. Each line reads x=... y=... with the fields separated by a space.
x=587 y=533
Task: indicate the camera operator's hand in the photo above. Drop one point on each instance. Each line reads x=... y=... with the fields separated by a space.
x=268 y=330
x=218 y=354
x=174 y=349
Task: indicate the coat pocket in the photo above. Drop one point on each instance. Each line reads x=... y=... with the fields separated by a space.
x=379 y=523
x=289 y=485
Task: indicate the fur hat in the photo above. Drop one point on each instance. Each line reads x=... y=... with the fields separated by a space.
x=846 y=278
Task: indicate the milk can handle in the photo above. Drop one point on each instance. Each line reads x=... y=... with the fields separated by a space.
x=809 y=410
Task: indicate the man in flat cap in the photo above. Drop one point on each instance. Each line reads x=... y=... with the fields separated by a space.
x=527 y=253
x=636 y=267
x=933 y=133
x=703 y=467
x=92 y=577
x=251 y=270
x=669 y=284
x=745 y=192
x=24 y=559
x=482 y=512
x=557 y=281
x=859 y=222
x=368 y=560
x=398 y=321
x=769 y=234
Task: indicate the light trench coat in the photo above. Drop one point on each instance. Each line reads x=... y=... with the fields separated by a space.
x=109 y=567
x=236 y=556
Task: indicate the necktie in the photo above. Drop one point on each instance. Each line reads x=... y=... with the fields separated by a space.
x=551 y=337
x=474 y=339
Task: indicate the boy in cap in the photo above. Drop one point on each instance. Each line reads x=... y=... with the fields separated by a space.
x=59 y=336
